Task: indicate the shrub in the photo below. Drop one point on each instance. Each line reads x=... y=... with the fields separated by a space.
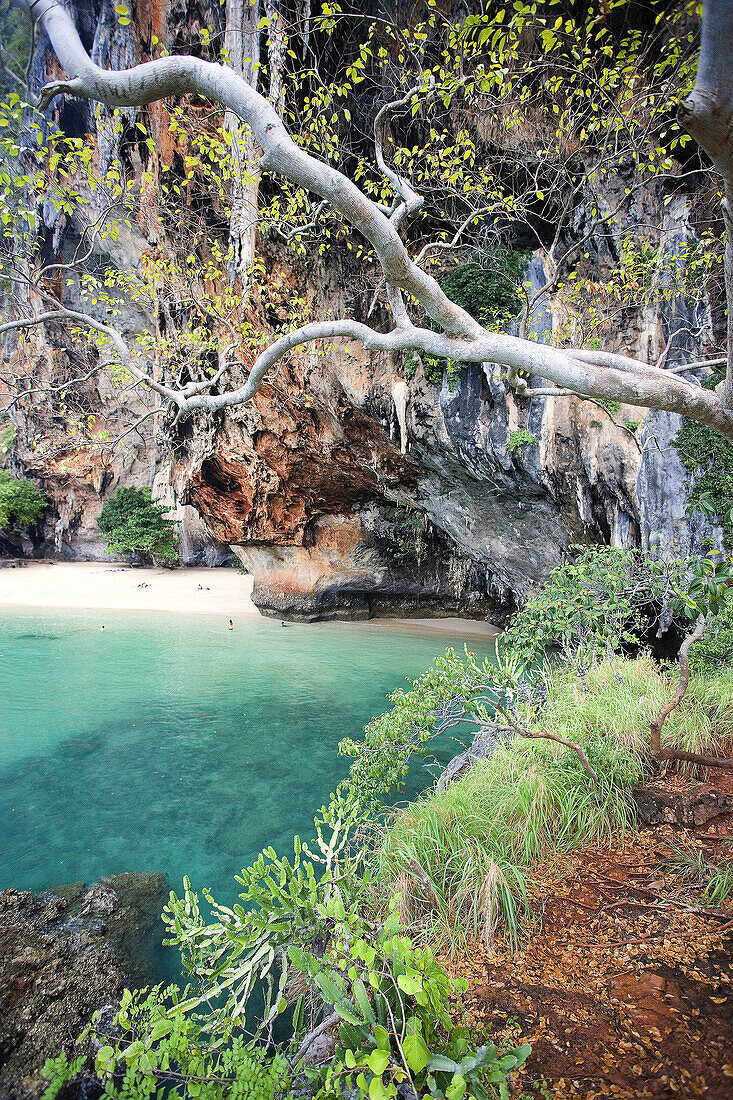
x=520 y=439
x=299 y=942
x=714 y=651
x=20 y=501
x=489 y=293
x=607 y=598
x=132 y=524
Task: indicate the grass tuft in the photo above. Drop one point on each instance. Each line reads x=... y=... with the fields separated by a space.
x=458 y=858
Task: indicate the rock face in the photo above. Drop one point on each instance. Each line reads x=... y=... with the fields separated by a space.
x=63 y=956
x=346 y=490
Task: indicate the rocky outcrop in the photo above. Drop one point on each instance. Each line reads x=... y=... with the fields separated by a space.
x=63 y=956
x=694 y=804
x=346 y=489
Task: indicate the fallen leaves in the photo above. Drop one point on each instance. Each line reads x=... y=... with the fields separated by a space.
x=622 y=989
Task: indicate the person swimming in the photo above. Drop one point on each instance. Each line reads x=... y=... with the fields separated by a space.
x=231 y=625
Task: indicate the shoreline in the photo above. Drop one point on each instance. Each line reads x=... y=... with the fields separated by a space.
x=117 y=586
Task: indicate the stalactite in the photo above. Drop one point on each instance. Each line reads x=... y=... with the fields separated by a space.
x=400 y=396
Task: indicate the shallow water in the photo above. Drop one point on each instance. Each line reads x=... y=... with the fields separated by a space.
x=171 y=744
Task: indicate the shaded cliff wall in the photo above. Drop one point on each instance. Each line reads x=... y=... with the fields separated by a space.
x=342 y=491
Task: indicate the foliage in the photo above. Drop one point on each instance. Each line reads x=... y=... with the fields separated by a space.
x=20 y=501
x=620 y=696
x=708 y=459
x=300 y=934
x=720 y=884
x=695 y=874
x=650 y=272
x=409 y=525
x=520 y=439
x=155 y=1050
x=435 y=702
x=132 y=524
x=458 y=857
x=488 y=291
x=609 y=597
x=7 y=434
x=393 y=1000
x=715 y=649
x=16 y=43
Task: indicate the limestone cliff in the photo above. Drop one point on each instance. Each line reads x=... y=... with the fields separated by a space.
x=344 y=489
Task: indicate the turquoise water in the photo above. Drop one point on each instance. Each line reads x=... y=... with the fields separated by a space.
x=172 y=744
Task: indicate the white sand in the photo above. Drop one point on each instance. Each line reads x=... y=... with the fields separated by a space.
x=116 y=586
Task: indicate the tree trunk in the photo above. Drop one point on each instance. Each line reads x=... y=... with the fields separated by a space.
x=708 y=115
x=242 y=42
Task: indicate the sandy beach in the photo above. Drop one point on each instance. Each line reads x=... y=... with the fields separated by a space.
x=117 y=586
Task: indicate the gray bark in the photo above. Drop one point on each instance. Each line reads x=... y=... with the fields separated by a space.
x=589 y=373
x=242 y=43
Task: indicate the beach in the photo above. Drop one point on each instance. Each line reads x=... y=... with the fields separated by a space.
x=120 y=587
x=117 y=586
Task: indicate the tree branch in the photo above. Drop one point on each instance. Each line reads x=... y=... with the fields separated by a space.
x=658 y=751
x=591 y=374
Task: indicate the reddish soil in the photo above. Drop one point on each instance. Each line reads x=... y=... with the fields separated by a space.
x=625 y=984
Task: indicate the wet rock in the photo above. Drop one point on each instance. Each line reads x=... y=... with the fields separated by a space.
x=64 y=955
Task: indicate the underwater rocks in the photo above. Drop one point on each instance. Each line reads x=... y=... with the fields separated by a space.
x=63 y=955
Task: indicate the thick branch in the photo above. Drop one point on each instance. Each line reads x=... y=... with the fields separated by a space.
x=541 y=735
x=591 y=374
x=411 y=201
x=656 y=726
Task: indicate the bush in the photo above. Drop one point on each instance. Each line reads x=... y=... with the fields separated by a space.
x=519 y=439
x=20 y=501
x=132 y=524
x=299 y=942
x=609 y=598
x=708 y=459
x=714 y=651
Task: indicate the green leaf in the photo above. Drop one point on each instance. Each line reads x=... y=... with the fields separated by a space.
x=410 y=984
x=416 y=1052
x=362 y=998
x=456 y=1088
x=440 y=1064
x=378 y=1061
x=382 y=1036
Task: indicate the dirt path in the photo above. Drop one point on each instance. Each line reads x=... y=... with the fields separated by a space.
x=625 y=988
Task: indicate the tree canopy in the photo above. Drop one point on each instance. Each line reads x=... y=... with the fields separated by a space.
x=20 y=501
x=132 y=524
x=600 y=94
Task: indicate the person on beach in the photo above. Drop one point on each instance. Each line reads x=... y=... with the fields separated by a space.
x=231 y=625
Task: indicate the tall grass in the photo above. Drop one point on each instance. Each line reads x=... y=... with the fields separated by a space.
x=457 y=858
x=624 y=696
